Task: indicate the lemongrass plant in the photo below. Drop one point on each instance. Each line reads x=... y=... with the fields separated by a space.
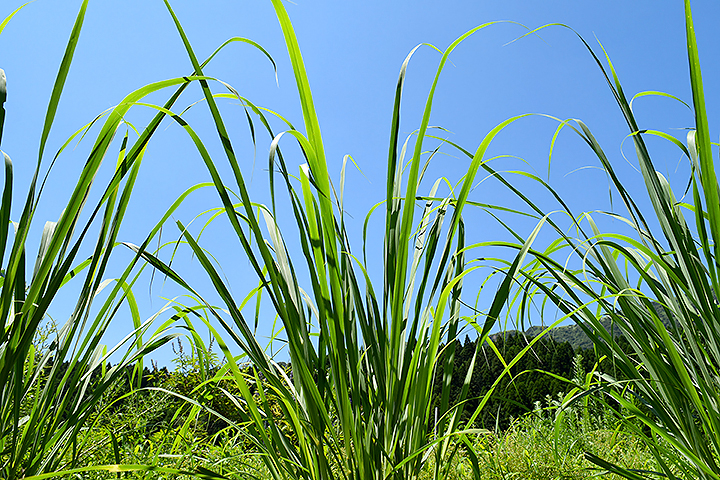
x=46 y=398
x=671 y=382
x=363 y=355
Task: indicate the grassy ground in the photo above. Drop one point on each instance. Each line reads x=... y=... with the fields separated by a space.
x=527 y=451
x=530 y=449
x=517 y=454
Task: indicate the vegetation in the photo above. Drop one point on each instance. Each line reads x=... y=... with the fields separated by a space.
x=43 y=408
x=534 y=445
x=353 y=404
x=380 y=387
x=672 y=376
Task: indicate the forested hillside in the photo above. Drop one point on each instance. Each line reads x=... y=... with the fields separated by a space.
x=534 y=380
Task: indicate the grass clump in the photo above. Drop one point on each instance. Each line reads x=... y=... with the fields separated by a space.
x=667 y=382
x=364 y=350
x=46 y=397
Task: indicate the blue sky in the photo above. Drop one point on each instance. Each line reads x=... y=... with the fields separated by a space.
x=353 y=52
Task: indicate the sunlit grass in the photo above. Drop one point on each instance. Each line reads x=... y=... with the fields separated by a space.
x=48 y=395
x=364 y=350
x=671 y=385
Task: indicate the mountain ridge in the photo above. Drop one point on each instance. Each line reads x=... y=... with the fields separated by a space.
x=574 y=335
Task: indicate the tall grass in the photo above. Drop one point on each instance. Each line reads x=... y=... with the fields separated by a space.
x=672 y=376
x=363 y=353
x=47 y=396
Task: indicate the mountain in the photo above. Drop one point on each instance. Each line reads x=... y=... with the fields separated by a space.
x=575 y=336
x=572 y=334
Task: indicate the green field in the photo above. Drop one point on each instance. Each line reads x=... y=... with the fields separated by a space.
x=377 y=384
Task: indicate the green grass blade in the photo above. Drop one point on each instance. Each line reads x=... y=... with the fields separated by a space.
x=3 y=97
x=708 y=176
x=61 y=77
x=7 y=19
x=6 y=204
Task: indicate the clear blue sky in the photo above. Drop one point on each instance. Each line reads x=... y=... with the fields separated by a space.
x=353 y=52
